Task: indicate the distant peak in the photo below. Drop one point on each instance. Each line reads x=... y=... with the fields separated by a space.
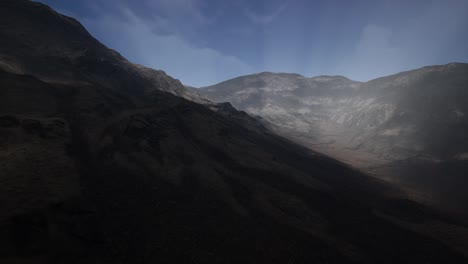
x=281 y=74
x=457 y=64
x=445 y=66
x=325 y=78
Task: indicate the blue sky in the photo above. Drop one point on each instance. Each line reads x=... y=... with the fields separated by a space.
x=203 y=42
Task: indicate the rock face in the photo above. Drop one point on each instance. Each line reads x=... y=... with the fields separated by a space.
x=416 y=115
x=104 y=161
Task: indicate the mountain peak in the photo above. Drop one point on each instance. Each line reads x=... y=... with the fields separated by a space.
x=326 y=78
x=279 y=74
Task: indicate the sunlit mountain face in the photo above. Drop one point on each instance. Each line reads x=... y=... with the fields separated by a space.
x=104 y=159
x=409 y=128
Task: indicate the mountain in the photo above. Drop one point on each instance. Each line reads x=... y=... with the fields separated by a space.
x=105 y=161
x=60 y=50
x=395 y=126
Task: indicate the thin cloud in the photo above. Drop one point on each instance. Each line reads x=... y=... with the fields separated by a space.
x=136 y=39
x=426 y=38
x=264 y=19
x=182 y=10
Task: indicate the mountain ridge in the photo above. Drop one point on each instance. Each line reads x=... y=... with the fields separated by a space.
x=410 y=114
x=105 y=162
x=446 y=65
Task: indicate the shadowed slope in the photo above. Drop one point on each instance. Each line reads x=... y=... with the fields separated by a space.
x=101 y=168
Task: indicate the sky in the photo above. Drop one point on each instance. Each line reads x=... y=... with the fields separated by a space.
x=203 y=42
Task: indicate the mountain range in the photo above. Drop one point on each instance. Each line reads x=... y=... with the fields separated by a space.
x=410 y=128
x=106 y=161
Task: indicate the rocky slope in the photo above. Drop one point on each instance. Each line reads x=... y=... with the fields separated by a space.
x=419 y=114
x=60 y=50
x=103 y=161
